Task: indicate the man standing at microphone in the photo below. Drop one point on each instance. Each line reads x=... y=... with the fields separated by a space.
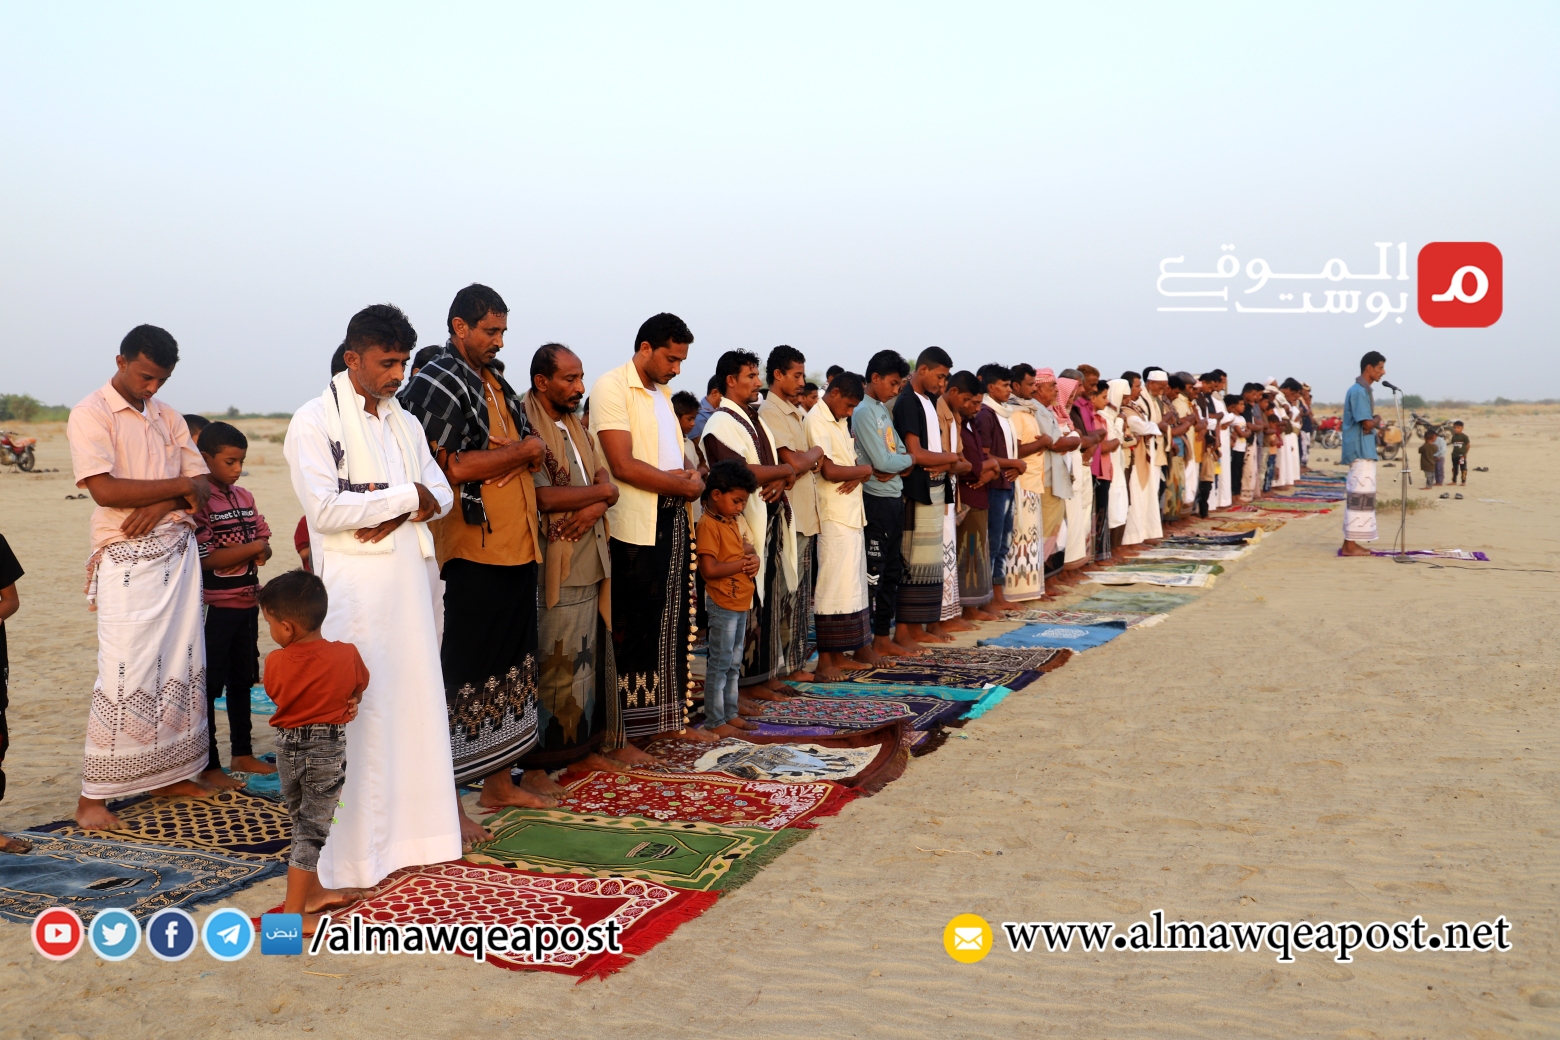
x=1359 y=454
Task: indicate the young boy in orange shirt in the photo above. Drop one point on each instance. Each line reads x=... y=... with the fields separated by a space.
x=727 y=563
x=316 y=684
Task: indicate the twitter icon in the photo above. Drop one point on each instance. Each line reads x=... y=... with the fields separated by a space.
x=228 y=934
x=114 y=934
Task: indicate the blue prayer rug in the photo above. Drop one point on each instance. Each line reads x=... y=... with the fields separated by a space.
x=92 y=874
x=1074 y=637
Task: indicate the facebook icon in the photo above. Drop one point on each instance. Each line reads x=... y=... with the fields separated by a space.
x=171 y=934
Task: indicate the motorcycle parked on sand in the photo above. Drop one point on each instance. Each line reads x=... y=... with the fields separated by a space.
x=16 y=450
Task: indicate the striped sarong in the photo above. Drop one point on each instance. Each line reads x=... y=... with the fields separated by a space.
x=1359 y=509
x=920 y=592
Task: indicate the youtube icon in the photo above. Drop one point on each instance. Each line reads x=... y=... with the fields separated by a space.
x=57 y=933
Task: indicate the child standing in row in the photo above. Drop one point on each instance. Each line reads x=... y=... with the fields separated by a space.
x=235 y=542
x=1428 y=458
x=728 y=564
x=316 y=684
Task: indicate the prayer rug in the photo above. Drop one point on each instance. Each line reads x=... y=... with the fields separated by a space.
x=1175 y=552
x=888 y=763
x=967 y=703
x=704 y=798
x=1016 y=659
x=838 y=714
x=928 y=674
x=683 y=853
x=236 y=824
x=1270 y=523
x=259 y=703
x=1143 y=600
x=92 y=874
x=1290 y=505
x=1161 y=566
x=1083 y=617
x=897 y=691
x=1441 y=554
x=786 y=763
x=1178 y=581
x=467 y=893
x=1073 y=637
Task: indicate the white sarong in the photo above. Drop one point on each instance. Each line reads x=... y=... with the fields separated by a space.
x=1143 y=519
x=1080 y=509
x=147 y=727
x=1359 y=509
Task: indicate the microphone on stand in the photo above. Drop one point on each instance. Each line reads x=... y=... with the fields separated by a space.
x=1389 y=386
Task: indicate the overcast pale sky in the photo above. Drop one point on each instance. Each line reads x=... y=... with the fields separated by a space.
x=1001 y=180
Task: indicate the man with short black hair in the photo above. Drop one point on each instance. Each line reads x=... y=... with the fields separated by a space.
x=738 y=432
x=926 y=500
x=879 y=445
x=575 y=693
x=786 y=370
x=844 y=618
x=707 y=406
x=994 y=427
x=1359 y=454
x=487 y=551
x=368 y=484
x=650 y=544
x=147 y=730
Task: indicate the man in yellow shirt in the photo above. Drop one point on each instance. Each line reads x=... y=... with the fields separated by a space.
x=650 y=547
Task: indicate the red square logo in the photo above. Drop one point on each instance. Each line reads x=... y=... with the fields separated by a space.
x=1460 y=285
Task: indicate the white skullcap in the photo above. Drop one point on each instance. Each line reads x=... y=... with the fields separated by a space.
x=1156 y=376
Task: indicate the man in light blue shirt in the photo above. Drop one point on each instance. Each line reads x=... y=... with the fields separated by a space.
x=879 y=445
x=1359 y=454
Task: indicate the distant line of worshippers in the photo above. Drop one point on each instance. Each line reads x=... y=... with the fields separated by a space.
x=524 y=574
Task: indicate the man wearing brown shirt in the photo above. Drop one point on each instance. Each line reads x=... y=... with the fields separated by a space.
x=487 y=548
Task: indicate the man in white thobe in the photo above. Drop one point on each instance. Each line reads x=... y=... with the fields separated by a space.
x=363 y=472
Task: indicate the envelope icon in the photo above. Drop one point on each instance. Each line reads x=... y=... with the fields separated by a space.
x=968 y=938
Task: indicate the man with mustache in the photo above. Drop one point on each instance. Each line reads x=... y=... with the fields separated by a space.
x=368 y=485
x=488 y=547
x=573 y=492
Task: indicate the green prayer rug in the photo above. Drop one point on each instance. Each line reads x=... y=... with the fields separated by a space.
x=680 y=853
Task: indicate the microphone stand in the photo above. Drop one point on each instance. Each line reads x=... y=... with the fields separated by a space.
x=1401 y=542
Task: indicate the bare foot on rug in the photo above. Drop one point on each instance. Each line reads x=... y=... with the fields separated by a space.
x=605 y=763
x=251 y=764
x=15 y=846
x=734 y=728
x=800 y=676
x=977 y=614
x=916 y=634
x=92 y=815
x=869 y=657
x=538 y=782
x=471 y=832
x=904 y=643
x=218 y=779
x=748 y=707
x=957 y=624
x=703 y=736
x=1353 y=549
x=334 y=899
x=184 y=789
x=773 y=690
x=834 y=666
x=499 y=789
x=629 y=755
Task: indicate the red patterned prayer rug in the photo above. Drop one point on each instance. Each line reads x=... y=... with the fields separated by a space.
x=468 y=893
x=702 y=797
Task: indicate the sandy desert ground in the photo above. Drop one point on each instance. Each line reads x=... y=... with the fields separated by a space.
x=1313 y=739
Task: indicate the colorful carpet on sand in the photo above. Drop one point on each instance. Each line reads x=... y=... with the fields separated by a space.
x=235 y=824
x=92 y=874
x=702 y=797
x=678 y=853
x=1073 y=637
x=1436 y=554
x=468 y=893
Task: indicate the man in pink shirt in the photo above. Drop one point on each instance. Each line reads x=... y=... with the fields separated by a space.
x=147 y=730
